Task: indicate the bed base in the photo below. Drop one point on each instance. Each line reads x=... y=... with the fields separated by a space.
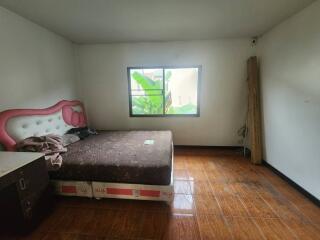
x=114 y=190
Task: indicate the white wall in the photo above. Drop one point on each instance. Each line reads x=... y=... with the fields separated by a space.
x=37 y=67
x=290 y=71
x=103 y=77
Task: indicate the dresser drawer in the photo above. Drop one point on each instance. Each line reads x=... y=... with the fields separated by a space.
x=35 y=205
x=33 y=178
x=24 y=189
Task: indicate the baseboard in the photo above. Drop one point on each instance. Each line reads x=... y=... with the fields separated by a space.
x=246 y=152
x=207 y=147
x=293 y=184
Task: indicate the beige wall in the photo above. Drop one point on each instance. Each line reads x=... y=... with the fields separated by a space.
x=36 y=66
x=290 y=65
x=103 y=78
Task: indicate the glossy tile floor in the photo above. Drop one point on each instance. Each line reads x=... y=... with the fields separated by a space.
x=218 y=195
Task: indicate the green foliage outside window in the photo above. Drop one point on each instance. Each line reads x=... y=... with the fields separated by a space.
x=150 y=97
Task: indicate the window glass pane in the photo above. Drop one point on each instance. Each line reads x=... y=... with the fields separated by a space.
x=147 y=105
x=146 y=91
x=181 y=87
x=144 y=79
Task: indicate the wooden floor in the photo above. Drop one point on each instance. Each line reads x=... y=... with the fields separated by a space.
x=218 y=195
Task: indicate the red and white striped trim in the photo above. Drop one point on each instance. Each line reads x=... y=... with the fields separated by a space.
x=132 y=191
x=114 y=190
x=73 y=188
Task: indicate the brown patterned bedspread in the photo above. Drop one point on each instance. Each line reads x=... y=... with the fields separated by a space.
x=120 y=157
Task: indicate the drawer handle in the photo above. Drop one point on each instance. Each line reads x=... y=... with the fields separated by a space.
x=22 y=184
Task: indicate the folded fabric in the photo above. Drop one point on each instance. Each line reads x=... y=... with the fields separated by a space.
x=51 y=145
x=54 y=161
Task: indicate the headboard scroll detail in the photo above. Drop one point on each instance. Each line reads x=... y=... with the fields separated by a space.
x=17 y=124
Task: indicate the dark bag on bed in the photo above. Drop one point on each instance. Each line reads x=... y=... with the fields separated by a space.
x=83 y=132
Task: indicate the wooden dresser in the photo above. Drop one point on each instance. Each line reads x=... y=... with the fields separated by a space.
x=23 y=188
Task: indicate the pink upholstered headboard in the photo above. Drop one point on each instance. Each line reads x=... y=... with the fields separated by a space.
x=18 y=124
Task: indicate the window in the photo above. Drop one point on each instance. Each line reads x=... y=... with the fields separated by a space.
x=160 y=91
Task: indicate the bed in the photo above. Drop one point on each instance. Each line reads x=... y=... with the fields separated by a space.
x=115 y=164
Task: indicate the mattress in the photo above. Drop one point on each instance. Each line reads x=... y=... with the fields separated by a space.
x=138 y=157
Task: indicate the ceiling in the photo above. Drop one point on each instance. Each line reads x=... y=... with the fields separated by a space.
x=105 y=21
